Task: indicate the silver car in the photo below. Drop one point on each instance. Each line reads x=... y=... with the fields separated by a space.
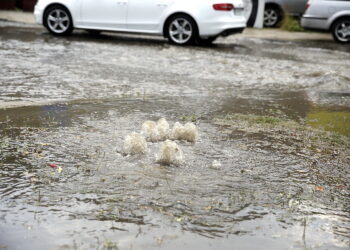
x=329 y=15
x=275 y=10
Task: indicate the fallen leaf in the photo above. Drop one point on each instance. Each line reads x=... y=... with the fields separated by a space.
x=53 y=165
x=319 y=188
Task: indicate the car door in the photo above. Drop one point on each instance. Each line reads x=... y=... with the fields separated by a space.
x=104 y=14
x=296 y=7
x=146 y=15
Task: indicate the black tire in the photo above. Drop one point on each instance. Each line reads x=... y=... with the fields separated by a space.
x=205 y=41
x=187 y=31
x=338 y=26
x=254 y=13
x=58 y=20
x=272 y=16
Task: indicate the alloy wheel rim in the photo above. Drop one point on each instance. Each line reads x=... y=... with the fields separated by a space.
x=58 y=21
x=342 y=31
x=180 y=30
x=270 y=17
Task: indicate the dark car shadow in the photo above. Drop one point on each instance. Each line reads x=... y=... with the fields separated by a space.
x=111 y=38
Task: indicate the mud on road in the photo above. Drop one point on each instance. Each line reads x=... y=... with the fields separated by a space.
x=275 y=115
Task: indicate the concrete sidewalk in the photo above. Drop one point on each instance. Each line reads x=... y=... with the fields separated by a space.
x=17 y=16
x=272 y=34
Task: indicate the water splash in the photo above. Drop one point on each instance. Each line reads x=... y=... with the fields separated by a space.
x=156 y=131
x=163 y=129
x=187 y=132
x=149 y=130
x=216 y=164
x=170 y=154
x=135 y=143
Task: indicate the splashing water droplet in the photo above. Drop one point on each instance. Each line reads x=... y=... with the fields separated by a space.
x=135 y=143
x=170 y=154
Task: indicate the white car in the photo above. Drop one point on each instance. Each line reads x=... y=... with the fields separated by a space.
x=329 y=15
x=181 y=21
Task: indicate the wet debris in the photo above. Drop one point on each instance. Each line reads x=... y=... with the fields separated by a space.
x=56 y=167
x=319 y=188
x=52 y=165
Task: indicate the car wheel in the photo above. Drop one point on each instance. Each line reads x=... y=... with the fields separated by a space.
x=181 y=30
x=58 y=20
x=341 y=30
x=272 y=16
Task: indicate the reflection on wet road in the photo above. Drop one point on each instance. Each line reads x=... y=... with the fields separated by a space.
x=71 y=101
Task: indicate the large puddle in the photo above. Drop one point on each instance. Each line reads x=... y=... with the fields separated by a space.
x=71 y=101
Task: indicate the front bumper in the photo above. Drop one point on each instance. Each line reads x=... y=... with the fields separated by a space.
x=38 y=14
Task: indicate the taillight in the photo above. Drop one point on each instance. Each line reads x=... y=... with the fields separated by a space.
x=223 y=6
x=308 y=4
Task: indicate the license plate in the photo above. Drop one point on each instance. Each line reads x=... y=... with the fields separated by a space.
x=239 y=12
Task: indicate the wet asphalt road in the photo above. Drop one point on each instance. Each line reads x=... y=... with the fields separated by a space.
x=71 y=101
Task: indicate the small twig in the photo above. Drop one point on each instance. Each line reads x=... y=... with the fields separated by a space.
x=171 y=191
x=39 y=197
x=304 y=233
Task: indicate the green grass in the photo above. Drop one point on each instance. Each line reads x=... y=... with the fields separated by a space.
x=295 y=135
x=291 y=24
x=253 y=119
x=190 y=118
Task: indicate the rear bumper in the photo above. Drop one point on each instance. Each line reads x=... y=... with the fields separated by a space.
x=314 y=22
x=222 y=27
x=231 y=31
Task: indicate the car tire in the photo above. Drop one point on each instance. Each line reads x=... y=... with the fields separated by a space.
x=340 y=30
x=272 y=16
x=58 y=20
x=181 y=30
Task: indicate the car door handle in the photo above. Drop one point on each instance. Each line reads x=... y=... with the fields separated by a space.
x=122 y=2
